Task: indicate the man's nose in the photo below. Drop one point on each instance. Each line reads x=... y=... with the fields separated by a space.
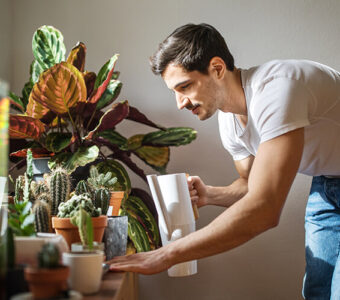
x=182 y=102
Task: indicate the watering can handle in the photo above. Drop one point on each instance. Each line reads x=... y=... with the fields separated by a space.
x=194 y=206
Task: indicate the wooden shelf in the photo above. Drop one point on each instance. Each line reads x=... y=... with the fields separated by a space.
x=117 y=286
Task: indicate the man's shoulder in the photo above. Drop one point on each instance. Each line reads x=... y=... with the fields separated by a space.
x=291 y=69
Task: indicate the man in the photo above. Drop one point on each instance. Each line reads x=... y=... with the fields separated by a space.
x=276 y=119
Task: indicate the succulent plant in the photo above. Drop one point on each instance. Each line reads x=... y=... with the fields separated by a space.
x=38 y=188
x=19 y=188
x=48 y=257
x=82 y=188
x=59 y=188
x=82 y=219
x=102 y=199
x=69 y=208
x=101 y=180
x=41 y=210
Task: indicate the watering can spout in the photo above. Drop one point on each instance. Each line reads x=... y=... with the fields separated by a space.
x=160 y=204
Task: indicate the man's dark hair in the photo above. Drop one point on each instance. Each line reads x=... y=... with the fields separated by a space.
x=191 y=46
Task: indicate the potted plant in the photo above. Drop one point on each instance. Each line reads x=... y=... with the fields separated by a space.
x=73 y=126
x=49 y=279
x=64 y=226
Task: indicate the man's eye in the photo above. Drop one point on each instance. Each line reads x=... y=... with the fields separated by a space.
x=183 y=87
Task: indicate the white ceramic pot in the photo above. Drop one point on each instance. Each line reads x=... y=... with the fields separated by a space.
x=85 y=270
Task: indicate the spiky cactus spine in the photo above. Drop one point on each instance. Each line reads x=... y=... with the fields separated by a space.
x=82 y=188
x=102 y=199
x=100 y=180
x=59 y=188
x=41 y=211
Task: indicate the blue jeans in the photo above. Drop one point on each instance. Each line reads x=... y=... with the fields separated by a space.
x=322 y=225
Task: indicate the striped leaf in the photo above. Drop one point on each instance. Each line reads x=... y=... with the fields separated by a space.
x=25 y=127
x=156 y=157
x=104 y=71
x=176 y=136
x=48 y=47
x=56 y=141
x=111 y=94
x=60 y=88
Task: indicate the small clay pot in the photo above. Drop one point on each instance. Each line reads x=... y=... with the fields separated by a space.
x=47 y=283
x=115 y=203
x=70 y=232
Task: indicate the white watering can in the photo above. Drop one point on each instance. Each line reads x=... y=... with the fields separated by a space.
x=175 y=214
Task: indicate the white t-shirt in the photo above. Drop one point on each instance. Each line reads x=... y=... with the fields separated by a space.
x=284 y=95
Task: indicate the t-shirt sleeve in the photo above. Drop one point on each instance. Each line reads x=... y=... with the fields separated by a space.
x=280 y=106
x=228 y=137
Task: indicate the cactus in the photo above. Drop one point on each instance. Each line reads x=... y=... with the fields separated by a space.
x=41 y=211
x=19 y=188
x=59 y=188
x=83 y=221
x=102 y=199
x=69 y=208
x=38 y=188
x=100 y=180
x=82 y=188
x=48 y=257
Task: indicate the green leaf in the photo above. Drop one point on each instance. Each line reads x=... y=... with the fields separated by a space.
x=29 y=220
x=29 y=163
x=48 y=46
x=36 y=70
x=114 y=138
x=26 y=92
x=176 y=136
x=26 y=206
x=156 y=157
x=17 y=100
x=71 y=161
x=111 y=94
x=89 y=231
x=105 y=70
x=55 y=141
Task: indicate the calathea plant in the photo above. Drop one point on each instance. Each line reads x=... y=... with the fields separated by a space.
x=61 y=112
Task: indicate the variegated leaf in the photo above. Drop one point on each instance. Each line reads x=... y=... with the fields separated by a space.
x=60 y=88
x=25 y=127
x=77 y=56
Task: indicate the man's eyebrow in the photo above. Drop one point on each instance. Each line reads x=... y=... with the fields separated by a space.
x=180 y=83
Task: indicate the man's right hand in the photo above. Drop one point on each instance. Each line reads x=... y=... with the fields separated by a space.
x=198 y=191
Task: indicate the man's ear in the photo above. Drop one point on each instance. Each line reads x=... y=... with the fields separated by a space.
x=217 y=66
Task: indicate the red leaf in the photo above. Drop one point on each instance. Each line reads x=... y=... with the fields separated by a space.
x=25 y=127
x=137 y=116
x=111 y=118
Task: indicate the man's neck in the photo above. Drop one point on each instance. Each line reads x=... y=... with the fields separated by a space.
x=235 y=100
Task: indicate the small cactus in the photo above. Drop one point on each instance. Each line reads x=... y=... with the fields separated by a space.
x=100 y=180
x=38 y=188
x=48 y=257
x=41 y=211
x=82 y=188
x=19 y=188
x=59 y=188
x=69 y=208
x=102 y=199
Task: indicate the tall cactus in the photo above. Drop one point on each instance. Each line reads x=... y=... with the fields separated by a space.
x=59 y=188
x=41 y=211
x=19 y=188
x=83 y=221
x=102 y=199
x=82 y=188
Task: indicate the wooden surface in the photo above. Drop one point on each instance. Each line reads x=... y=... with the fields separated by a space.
x=117 y=286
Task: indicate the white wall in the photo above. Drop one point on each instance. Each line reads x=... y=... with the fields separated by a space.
x=272 y=265
x=5 y=39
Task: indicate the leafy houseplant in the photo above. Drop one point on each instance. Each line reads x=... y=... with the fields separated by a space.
x=67 y=113
x=61 y=112
x=48 y=280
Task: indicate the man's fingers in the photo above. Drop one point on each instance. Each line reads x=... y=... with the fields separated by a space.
x=193 y=192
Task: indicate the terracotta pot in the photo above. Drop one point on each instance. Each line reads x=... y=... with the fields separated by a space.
x=115 y=203
x=47 y=283
x=70 y=232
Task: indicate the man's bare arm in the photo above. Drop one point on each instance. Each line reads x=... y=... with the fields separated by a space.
x=271 y=177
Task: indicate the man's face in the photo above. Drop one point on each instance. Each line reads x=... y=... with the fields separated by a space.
x=193 y=90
